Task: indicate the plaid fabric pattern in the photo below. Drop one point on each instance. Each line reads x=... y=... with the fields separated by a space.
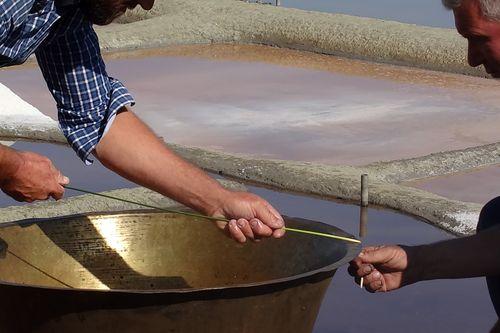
x=23 y=26
x=71 y=63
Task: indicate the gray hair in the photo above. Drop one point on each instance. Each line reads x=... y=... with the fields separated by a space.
x=491 y=8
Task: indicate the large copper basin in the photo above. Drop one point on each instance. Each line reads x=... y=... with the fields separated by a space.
x=157 y=272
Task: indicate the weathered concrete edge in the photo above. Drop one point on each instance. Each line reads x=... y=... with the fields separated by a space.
x=89 y=203
x=44 y=132
x=435 y=164
x=227 y=21
x=339 y=182
x=432 y=165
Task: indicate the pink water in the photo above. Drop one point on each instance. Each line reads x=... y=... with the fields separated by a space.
x=295 y=105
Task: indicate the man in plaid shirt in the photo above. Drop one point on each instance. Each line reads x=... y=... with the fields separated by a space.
x=94 y=115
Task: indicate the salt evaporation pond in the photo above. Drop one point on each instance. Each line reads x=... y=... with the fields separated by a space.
x=295 y=105
x=441 y=306
x=478 y=185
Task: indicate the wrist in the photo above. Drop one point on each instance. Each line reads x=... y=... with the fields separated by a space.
x=216 y=206
x=10 y=162
x=415 y=270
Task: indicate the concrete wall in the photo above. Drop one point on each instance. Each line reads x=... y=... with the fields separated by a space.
x=230 y=21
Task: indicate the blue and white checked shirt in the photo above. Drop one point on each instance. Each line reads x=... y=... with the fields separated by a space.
x=67 y=50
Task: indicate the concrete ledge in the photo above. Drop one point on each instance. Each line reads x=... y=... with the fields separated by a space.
x=230 y=21
x=48 y=132
x=339 y=182
x=435 y=164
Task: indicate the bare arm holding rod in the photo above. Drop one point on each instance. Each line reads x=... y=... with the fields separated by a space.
x=132 y=150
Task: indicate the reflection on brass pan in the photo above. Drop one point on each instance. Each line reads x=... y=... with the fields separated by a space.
x=146 y=271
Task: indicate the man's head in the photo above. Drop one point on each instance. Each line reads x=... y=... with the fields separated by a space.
x=479 y=22
x=102 y=12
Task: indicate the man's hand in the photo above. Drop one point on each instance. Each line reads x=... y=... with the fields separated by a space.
x=256 y=217
x=384 y=268
x=32 y=177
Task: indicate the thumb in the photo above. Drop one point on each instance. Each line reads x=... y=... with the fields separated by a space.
x=375 y=255
x=62 y=180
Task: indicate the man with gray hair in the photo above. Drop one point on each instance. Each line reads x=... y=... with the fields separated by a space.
x=389 y=267
x=478 y=21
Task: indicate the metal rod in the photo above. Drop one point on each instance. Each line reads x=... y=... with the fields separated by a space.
x=353 y=240
x=363 y=221
x=363 y=216
x=363 y=228
x=364 y=190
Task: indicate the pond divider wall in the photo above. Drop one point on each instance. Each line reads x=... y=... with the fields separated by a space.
x=174 y=22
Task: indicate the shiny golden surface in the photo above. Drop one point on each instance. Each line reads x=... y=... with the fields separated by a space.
x=152 y=251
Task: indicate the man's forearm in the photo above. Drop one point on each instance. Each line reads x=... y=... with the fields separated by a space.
x=473 y=256
x=132 y=150
x=9 y=163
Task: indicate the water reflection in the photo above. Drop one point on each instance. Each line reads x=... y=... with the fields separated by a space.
x=363 y=222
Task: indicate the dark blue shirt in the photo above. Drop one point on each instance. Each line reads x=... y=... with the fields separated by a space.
x=67 y=51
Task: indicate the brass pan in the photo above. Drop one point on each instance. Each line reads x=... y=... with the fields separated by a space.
x=147 y=271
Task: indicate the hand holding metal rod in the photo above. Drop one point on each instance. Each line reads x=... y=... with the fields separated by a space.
x=363 y=212
x=302 y=231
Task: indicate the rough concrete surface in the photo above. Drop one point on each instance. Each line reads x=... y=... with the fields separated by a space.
x=436 y=164
x=340 y=182
x=229 y=21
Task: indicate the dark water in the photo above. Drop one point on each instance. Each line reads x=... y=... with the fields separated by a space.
x=437 y=306
x=422 y=12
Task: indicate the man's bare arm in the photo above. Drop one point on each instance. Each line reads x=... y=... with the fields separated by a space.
x=132 y=150
x=10 y=161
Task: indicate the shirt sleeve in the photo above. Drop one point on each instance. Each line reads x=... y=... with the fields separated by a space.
x=12 y=14
x=87 y=98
